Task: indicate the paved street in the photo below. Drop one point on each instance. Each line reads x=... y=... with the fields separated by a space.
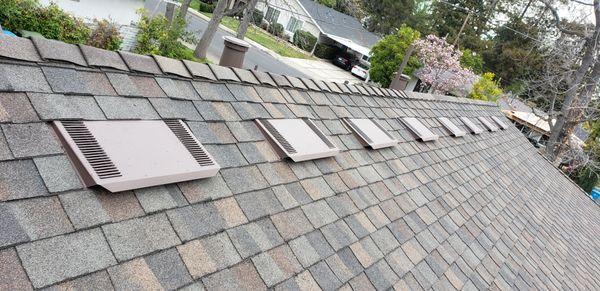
x=254 y=57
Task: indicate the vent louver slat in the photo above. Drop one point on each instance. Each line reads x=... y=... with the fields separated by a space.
x=370 y=133
x=359 y=131
x=189 y=142
x=277 y=135
x=91 y=150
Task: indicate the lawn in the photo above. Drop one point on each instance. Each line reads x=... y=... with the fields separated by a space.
x=264 y=38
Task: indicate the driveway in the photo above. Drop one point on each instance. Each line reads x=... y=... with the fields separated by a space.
x=323 y=70
x=254 y=57
x=122 y=12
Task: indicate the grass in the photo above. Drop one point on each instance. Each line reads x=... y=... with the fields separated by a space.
x=265 y=39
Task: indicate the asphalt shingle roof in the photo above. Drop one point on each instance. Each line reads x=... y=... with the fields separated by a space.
x=481 y=211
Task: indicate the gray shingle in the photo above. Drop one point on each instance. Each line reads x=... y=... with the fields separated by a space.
x=59 y=258
x=11 y=232
x=381 y=275
x=276 y=265
x=338 y=234
x=96 y=57
x=264 y=78
x=130 y=85
x=196 y=220
x=140 y=236
x=291 y=223
x=250 y=111
x=317 y=188
x=240 y=277
x=84 y=209
x=20 y=179
x=245 y=131
x=126 y=108
x=199 y=70
x=155 y=198
x=258 y=152
x=342 y=205
x=205 y=189
x=171 y=66
x=178 y=88
x=179 y=109
x=344 y=264
x=277 y=173
x=169 y=269
x=17 y=108
x=31 y=139
x=255 y=237
x=304 y=251
x=12 y=275
x=244 y=179
x=208 y=255
x=140 y=63
x=212 y=132
x=245 y=76
x=40 y=217
x=243 y=93
x=5 y=153
x=134 y=274
x=58 y=106
x=324 y=276
x=227 y=155
x=319 y=213
x=366 y=252
x=22 y=79
x=58 y=51
x=258 y=204
x=71 y=81
x=212 y=91
x=57 y=173
x=385 y=240
x=223 y=73
x=18 y=48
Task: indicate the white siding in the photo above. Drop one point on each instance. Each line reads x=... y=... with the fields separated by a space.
x=288 y=9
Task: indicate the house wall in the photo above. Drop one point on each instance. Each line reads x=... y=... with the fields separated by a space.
x=288 y=9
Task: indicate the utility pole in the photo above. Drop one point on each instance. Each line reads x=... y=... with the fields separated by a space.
x=462 y=28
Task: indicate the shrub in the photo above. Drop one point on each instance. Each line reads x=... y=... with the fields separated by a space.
x=304 y=40
x=276 y=29
x=472 y=61
x=206 y=7
x=486 y=89
x=156 y=36
x=324 y=51
x=586 y=178
x=387 y=55
x=106 y=35
x=264 y=25
x=257 y=17
x=50 y=21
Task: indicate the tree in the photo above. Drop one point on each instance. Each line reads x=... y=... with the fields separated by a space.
x=448 y=17
x=185 y=5
x=441 y=68
x=248 y=15
x=385 y=16
x=388 y=53
x=211 y=29
x=486 y=88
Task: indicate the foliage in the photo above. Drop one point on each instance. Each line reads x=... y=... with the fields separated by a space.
x=328 y=3
x=156 y=36
x=106 y=35
x=472 y=61
x=387 y=55
x=446 y=21
x=257 y=17
x=276 y=29
x=441 y=65
x=486 y=89
x=324 y=51
x=304 y=40
x=586 y=178
x=385 y=16
x=50 y=21
x=206 y=7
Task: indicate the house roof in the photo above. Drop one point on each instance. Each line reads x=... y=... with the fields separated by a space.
x=480 y=211
x=340 y=27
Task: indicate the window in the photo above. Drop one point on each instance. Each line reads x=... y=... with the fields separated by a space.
x=126 y=155
x=499 y=122
x=490 y=126
x=450 y=126
x=423 y=133
x=370 y=133
x=297 y=139
x=471 y=126
x=293 y=24
x=272 y=15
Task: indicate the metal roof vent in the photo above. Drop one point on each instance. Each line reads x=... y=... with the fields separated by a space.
x=490 y=126
x=423 y=133
x=450 y=126
x=370 y=133
x=499 y=122
x=126 y=155
x=297 y=139
x=472 y=127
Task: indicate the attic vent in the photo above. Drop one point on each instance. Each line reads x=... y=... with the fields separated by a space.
x=298 y=139
x=423 y=133
x=450 y=126
x=126 y=155
x=490 y=126
x=370 y=133
x=471 y=126
x=499 y=122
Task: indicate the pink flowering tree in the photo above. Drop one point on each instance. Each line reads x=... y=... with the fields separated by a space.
x=441 y=66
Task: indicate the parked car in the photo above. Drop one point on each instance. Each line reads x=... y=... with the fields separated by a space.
x=361 y=71
x=343 y=61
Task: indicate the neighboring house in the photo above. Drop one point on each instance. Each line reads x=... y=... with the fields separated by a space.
x=328 y=25
x=480 y=211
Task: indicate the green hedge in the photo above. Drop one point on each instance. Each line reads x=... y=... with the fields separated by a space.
x=276 y=29
x=304 y=40
x=324 y=51
x=257 y=17
x=206 y=7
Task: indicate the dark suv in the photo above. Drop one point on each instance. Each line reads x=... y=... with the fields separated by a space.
x=344 y=61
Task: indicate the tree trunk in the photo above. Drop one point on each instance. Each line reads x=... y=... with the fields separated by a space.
x=211 y=29
x=184 y=8
x=248 y=15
